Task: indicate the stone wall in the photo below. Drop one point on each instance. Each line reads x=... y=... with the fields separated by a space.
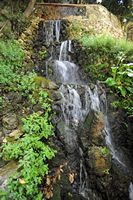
x=98 y=20
x=93 y=18
x=102 y=21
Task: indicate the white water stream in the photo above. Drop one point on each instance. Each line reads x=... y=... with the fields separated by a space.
x=52 y=31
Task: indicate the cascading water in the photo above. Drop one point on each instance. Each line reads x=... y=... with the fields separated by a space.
x=74 y=108
x=57 y=25
x=76 y=105
x=52 y=31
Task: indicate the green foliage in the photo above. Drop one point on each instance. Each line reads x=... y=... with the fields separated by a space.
x=19 y=23
x=118 y=8
x=32 y=154
x=103 y=52
x=26 y=84
x=32 y=150
x=42 y=54
x=11 y=59
x=11 y=53
x=77 y=30
x=105 y=58
x=121 y=82
x=12 y=14
x=107 y=42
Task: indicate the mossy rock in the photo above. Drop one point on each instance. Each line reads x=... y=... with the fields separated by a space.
x=98 y=126
x=99 y=163
x=45 y=83
x=54 y=95
x=10 y=121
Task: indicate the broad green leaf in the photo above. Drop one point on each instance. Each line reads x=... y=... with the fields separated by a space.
x=110 y=82
x=122 y=90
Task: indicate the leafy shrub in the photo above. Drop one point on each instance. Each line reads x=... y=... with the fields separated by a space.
x=121 y=82
x=11 y=53
x=99 y=56
x=11 y=60
x=26 y=84
x=105 y=58
x=32 y=154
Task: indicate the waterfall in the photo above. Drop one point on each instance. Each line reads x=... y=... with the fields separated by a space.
x=78 y=99
x=65 y=49
x=51 y=34
x=57 y=30
x=71 y=104
x=66 y=72
x=49 y=31
x=52 y=31
x=95 y=102
x=116 y=155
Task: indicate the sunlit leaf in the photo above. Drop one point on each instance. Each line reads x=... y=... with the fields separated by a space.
x=110 y=82
x=122 y=90
x=22 y=181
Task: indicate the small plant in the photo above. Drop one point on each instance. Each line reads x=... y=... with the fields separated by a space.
x=106 y=171
x=42 y=54
x=26 y=84
x=104 y=151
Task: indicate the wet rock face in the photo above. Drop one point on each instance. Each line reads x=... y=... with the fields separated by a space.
x=92 y=138
x=121 y=129
x=91 y=130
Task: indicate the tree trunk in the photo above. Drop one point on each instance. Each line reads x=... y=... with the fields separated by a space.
x=29 y=8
